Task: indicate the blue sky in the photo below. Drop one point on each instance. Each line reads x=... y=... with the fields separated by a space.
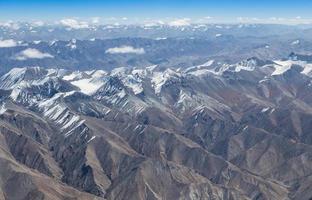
x=219 y=10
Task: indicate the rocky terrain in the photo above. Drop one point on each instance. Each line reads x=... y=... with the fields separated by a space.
x=209 y=131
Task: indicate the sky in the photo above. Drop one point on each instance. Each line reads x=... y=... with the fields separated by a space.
x=132 y=11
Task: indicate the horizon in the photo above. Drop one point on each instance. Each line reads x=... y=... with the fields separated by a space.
x=170 y=22
x=176 y=11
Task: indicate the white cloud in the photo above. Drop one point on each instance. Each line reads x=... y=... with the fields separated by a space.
x=274 y=20
x=124 y=50
x=296 y=42
x=111 y=19
x=38 y=23
x=75 y=24
x=180 y=22
x=7 y=43
x=206 y=19
x=32 y=54
x=95 y=20
x=10 y=24
x=248 y=19
x=151 y=23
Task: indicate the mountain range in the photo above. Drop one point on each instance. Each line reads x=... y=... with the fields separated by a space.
x=210 y=130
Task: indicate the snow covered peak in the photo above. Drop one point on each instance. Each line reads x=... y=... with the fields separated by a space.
x=202 y=69
x=87 y=81
x=160 y=78
x=88 y=85
x=132 y=82
x=76 y=75
x=247 y=65
x=17 y=75
x=120 y=71
x=97 y=73
x=12 y=77
x=282 y=66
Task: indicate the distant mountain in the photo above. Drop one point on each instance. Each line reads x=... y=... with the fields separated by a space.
x=139 y=52
x=212 y=130
x=58 y=31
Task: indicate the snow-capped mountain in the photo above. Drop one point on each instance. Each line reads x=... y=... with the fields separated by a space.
x=112 y=46
x=214 y=130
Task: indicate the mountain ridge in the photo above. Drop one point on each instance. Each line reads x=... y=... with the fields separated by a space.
x=209 y=131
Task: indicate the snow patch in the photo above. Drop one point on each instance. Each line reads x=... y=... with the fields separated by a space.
x=283 y=66
x=92 y=138
x=73 y=76
x=296 y=42
x=160 y=78
x=160 y=38
x=265 y=109
x=88 y=86
x=15 y=93
x=3 y=109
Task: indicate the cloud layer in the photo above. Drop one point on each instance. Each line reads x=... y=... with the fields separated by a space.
x=7 y=43
x=75 y=24
x=124 y=50
x=180 y=22
x=32 y=54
